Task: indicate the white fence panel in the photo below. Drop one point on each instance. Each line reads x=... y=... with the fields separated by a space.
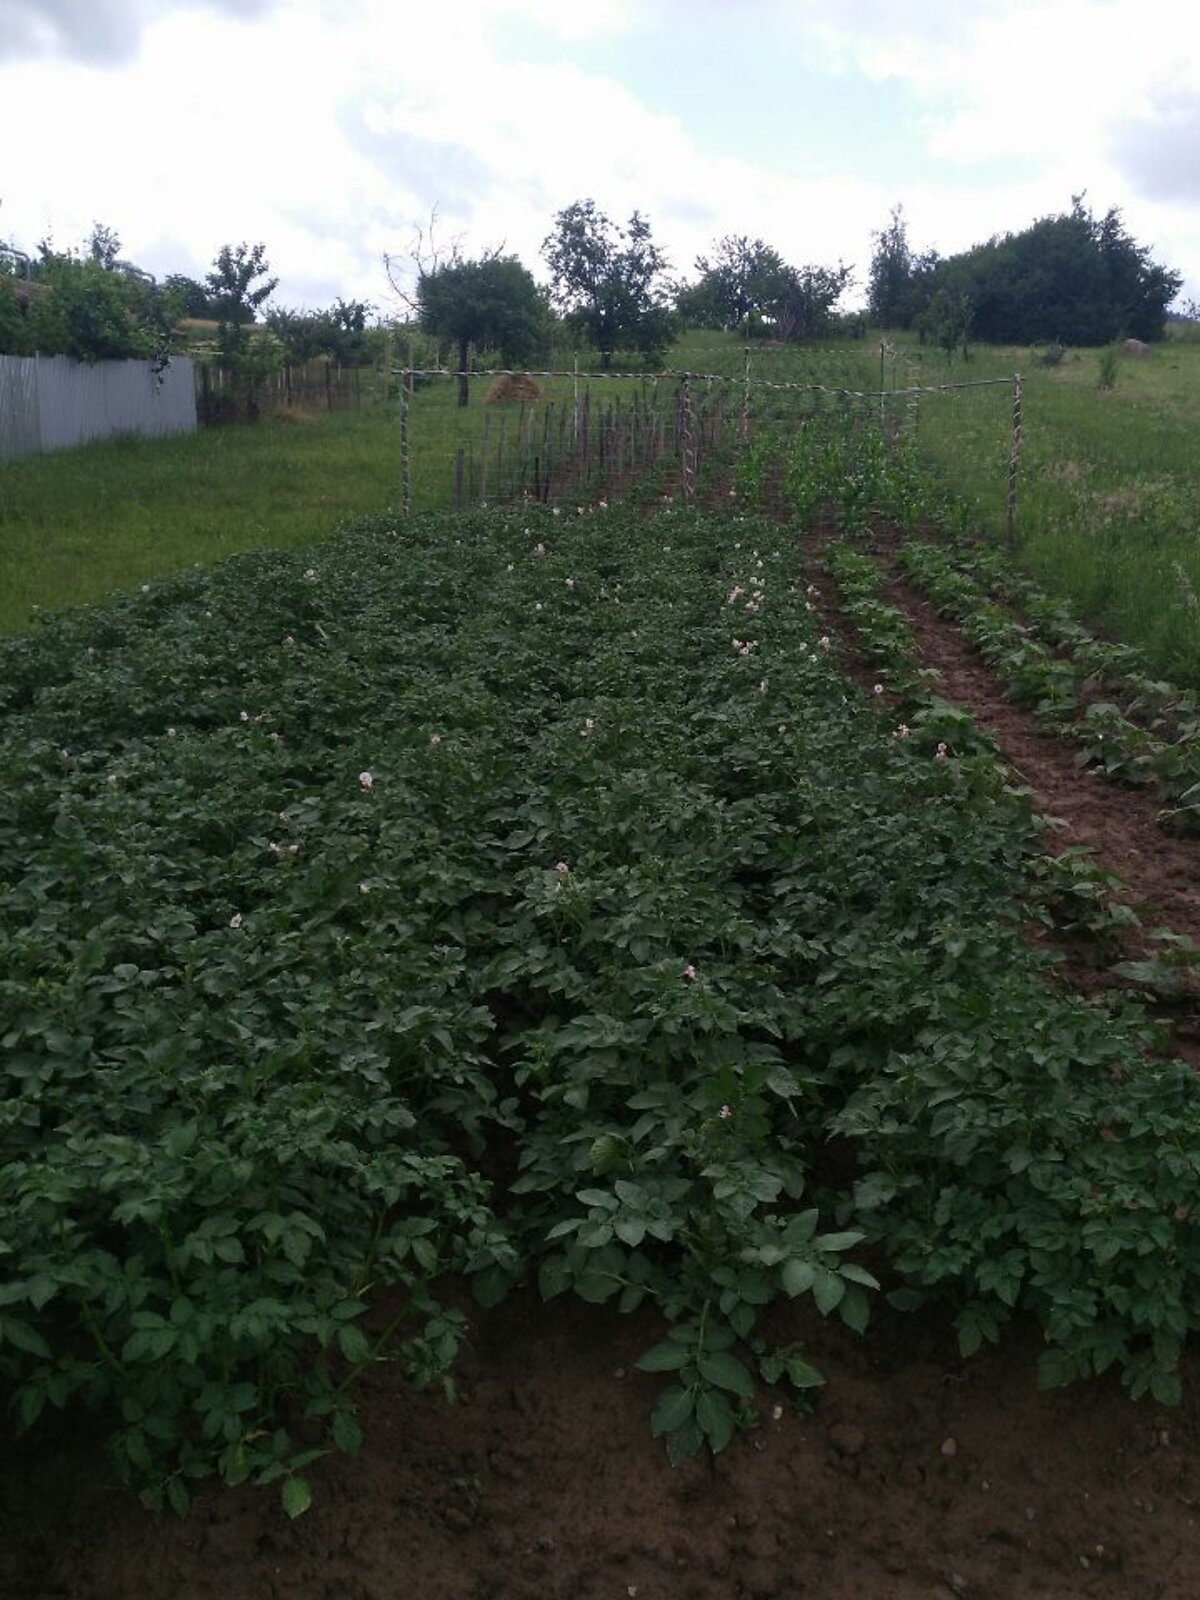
x=54 y=403
x=20 y=434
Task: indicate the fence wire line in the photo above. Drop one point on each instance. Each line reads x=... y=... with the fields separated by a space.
x=704 y=377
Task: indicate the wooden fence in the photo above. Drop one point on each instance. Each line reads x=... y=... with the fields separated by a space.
x=222 y=395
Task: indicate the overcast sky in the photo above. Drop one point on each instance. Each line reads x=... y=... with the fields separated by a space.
x=332 y=129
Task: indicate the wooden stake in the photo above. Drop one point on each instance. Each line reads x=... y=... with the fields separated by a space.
x=405 y=461
x=1014 y=464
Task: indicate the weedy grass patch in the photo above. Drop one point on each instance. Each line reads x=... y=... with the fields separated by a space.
x=76 y=525
x=1109 y=491
x=523 y=897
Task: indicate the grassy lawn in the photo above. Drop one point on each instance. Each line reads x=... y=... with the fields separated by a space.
x=77 y=524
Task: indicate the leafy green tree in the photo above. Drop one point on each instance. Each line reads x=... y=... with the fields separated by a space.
x=947 y=320
x=348 y=322
x=745 y=279
x=1071 y=278
x=805 y=309
x=339 y=332
x=104 y=245
x=191 y=296
x=610 y=282
x=16 y=332
x=82 y=308
x=490 y=303
x=239 y=285
x=84 y=303
x=889 y=281
x=697 y=305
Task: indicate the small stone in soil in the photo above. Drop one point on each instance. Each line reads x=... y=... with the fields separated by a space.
x=949 y=1447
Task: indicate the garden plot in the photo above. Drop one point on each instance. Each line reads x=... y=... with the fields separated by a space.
x=530 y=900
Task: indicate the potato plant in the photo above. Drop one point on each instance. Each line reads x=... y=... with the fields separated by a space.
x=524 y=898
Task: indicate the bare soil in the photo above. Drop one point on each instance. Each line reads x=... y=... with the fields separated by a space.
x=916 y=1476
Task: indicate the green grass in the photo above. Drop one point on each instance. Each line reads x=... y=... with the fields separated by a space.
x=77 y=524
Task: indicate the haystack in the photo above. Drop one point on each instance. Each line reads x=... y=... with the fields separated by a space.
x=514 y=386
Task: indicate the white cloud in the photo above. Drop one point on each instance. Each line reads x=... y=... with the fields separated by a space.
x=103 y=31
x=330 y=129
x=1079 y=95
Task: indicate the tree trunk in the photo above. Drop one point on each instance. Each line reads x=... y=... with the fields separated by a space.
x=464 y=387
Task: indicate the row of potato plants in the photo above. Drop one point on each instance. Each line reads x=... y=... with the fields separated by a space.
x=839 y=463
x=1165 y=708
x=526 y=898
x=1056 y=677
x=1117 y=1167
x=1070 y=891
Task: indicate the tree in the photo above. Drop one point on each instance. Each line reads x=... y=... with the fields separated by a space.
x=609 y=282
x=104 y=245
x=947 y=320
x=808 y=296
x=349 y=332
x=889 y=281
x=191 y=297
x=238 y=287
x=340 y=332
x=1070 y=278
x=492 y=302
x=84 y=303
x=745 y=279
x=81 y=308
x=697 y=305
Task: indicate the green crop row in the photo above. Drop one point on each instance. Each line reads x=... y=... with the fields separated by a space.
x=1054 y=680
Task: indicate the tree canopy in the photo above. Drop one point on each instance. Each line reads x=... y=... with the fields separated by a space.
x=610 y=282
x=86 y=304
x=1074 y=278
x=239 y=284
x=490 y=303
x=746 y=286
x=339 y=332
x=744 y=280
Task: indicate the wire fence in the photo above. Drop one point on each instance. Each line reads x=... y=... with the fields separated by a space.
x=556 y=435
